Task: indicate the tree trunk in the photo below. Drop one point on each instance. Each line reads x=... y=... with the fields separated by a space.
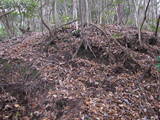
x=120 y=14
x=56 y=14
x=84 y=12
x=75 y=14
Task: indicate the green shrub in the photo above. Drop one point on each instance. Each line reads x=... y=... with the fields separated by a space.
x=66 y=18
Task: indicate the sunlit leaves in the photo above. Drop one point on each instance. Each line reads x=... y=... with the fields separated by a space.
x=66 y=18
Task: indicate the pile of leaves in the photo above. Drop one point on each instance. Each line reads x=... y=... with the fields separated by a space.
x=95 y=73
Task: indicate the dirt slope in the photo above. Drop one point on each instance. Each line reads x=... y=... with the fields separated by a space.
x=101 y=73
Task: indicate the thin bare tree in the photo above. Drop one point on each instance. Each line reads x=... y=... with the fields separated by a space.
x=144 y=18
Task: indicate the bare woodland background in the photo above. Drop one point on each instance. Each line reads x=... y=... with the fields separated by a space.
x=23 y=14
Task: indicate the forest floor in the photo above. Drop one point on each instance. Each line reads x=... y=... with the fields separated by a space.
x=101 y=73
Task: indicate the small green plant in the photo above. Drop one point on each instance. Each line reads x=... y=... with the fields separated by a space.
x=158 y=63
x=117 y=35
x=65 y=18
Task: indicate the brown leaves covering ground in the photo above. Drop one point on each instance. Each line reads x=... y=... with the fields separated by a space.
x=110 y=81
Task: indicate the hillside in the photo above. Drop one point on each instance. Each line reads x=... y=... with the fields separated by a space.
x=97 y=73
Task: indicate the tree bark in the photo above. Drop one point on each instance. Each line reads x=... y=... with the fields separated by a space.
x=56 y=14
x=75 y=13
x=84 y=12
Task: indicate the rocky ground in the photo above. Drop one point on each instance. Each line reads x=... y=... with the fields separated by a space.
x=97 y=73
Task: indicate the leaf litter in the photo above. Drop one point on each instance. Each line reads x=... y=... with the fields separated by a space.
x=100 y=74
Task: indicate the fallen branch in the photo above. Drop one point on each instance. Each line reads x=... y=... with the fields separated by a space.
x=68 y=23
